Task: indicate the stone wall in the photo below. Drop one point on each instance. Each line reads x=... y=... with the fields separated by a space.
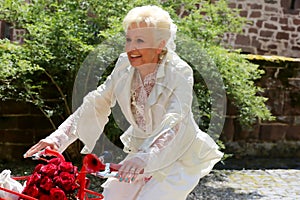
x=279 y=138
x=13 y=34
x=273 y=27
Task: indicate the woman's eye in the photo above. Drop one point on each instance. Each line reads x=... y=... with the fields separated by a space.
x=128 y=40
x=140 y=40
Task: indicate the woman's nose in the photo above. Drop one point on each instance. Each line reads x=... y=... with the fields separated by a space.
x=131 y=46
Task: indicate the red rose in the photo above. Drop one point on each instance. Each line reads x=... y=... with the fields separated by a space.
x=33 y=179
x=46 y=183
x=31 y=190
x=49 y=169
x=38 y=168
x=66 y=181
x=44 y=197
x=66 y=167
x=52 y=181
x=55 y=161
x=57 y=194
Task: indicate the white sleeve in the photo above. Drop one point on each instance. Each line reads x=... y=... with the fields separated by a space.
x=63 y=136
x=88 y=121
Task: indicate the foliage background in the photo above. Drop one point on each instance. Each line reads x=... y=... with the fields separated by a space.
x=62 y=35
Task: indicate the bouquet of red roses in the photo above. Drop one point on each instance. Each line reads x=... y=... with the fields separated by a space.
x=56 y=180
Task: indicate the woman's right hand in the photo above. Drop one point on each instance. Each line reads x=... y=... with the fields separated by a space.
x=42 y=144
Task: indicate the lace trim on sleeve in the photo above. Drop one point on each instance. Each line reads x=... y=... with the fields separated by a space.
x=159 y=144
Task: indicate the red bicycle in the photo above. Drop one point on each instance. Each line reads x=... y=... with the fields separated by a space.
x=91 y=165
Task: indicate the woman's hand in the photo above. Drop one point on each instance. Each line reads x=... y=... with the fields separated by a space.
x=41 y=145
x=130 y=169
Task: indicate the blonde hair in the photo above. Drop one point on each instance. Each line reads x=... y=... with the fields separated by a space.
x=156 y=17
x=151 y=15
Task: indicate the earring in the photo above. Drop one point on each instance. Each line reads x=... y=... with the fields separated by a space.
x=163 y=53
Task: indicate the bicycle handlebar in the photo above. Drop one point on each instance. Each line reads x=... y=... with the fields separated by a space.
x=47 y=152
x=91 y=163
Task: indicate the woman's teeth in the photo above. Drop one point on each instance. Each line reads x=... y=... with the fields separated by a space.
x=135 y=56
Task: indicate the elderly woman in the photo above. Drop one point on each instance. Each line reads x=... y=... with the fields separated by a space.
x=153 y=87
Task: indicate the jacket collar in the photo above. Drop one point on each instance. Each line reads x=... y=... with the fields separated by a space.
x=159 y=85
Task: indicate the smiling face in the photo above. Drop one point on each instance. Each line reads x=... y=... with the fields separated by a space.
x=141 y=45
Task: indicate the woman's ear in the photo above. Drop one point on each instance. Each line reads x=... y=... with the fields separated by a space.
x=161 y=46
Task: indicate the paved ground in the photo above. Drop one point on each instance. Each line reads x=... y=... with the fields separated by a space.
x=251 y=178
x=270 y=184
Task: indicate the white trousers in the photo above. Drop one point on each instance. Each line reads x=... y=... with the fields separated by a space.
x=176 y=186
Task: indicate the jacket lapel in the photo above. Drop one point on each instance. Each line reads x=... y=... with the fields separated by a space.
x=159 y=85
x=123 y=92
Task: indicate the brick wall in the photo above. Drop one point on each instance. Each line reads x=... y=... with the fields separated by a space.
x=279 y=138
x=273 y=28
x=21 y=125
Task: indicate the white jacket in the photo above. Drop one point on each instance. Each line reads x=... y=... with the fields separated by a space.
x=169 y=104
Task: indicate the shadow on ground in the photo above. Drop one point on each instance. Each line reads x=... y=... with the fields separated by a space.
x=259 y=163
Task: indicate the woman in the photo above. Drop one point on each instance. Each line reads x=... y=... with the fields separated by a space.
x=153 y=87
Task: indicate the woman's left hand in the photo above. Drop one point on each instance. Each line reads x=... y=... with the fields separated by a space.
x=130 y=169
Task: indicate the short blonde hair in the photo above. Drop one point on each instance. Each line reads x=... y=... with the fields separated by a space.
x=151 y=15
